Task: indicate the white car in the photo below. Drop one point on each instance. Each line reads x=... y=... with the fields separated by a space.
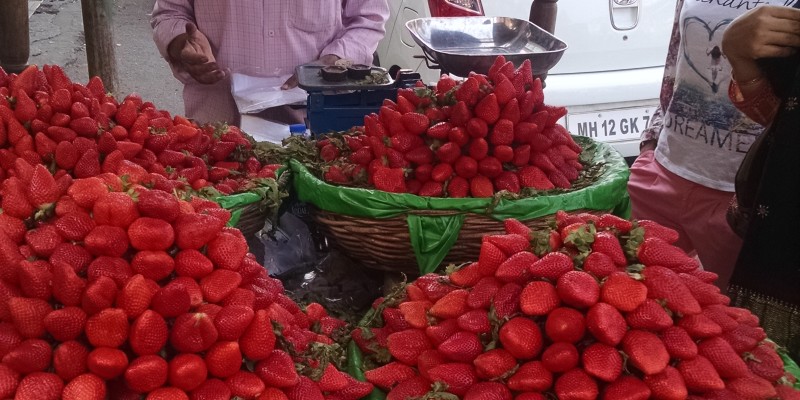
x=609 y=77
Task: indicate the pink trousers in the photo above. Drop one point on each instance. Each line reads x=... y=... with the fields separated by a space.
x=695 y=211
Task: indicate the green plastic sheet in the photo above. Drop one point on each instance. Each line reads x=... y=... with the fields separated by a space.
x=355 y=367
x=235 y=202
x=791 y=367
x=432 y=237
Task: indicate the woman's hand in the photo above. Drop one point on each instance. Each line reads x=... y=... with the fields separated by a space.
x=764 y=32
x=192 y=51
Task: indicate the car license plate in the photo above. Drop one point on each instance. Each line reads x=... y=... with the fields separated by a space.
x=611 y=125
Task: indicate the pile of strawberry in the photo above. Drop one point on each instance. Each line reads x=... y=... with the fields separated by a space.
x=127 y=291
x=475 y=138
x=82 y=131
x=599 y=308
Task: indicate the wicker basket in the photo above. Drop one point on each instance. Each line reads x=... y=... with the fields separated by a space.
x=252 y=219
x=385 y=244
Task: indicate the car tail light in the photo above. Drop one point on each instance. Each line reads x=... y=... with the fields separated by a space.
x=455 y=8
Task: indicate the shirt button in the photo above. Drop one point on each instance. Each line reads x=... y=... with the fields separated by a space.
x=271 y=33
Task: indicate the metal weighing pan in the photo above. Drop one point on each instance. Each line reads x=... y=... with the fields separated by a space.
x=309 y=79
x=463 y=44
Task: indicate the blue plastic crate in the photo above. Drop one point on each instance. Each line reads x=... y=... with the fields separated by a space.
x=339 y=112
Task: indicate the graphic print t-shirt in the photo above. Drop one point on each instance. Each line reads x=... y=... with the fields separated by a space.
x=704 y=137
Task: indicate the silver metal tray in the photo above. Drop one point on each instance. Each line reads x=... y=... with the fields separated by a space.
x=310 y=80
x=463 y=44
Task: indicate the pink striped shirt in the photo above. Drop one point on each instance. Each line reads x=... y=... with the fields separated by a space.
x=266 y=38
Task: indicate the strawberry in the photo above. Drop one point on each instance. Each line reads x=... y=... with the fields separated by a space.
x=466 y=167
x=277 y=370
x=627 y=387
x=515 y=268
x=507 y=181
x=187 y=371
x=193 y=231
x=28 y=315
x=606 y=243
x=40 y=386
x=503 y=134
x=406 y=346
x=461 y=347
x=70 y=360
x=219 y=284
x=99 y=295
x=533 y=177
x=108 y=328
x=481 y=186
x=606 y=324
x=506 y=301
x=86 y=386
x=146 y=373
x=531 y=377
x=552 y=266
x=751 y=387
x=482 y=294
x=650 y=315
x=654 y=251
x=227 y=251
x=724 y=359
x=415 y=123
x=503 y=153
x=521 y=337
x=389 y=180
x=212 y=389
x=458 y=377
x=656 y=230
x=451 y=305
x=663 y=283
x=258 y=340
x=559 y=179
x=245 y=384
x=15 y=202
x=700 y=375
x=489 y=166
x=623 y=292
x=668 y=384
x=762 y=361
x=578 y=289
x=223 y=359
x=65 y=324
x=388 y=376
x=192 y=333
x=602 y=362
x=699 y=326
x=148 y=333
x=576 y=384
x=539 y=298
x=678 y=343
x=646 y=351
x=107 y=363
x=565 y=325
x=25 y=108
x=599 y=265
x=31 y=355
x=306 y=389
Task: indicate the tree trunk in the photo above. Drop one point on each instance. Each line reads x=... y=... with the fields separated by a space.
x=100 y=42
x=15 y=47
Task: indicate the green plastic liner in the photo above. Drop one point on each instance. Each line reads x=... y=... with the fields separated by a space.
x=432 y=237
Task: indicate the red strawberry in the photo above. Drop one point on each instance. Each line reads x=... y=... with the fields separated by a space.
x=656 y=230
x=700 y=375
x=245 y=384
x=415 y=123
x=531 y=377
x=390 y=180
x=521 y=337
x=212 y=389
x=576 y=384
x=148 y=333
x=539 y=298
x=678 y=343
x=306 y=389
x=552 y=266
x=406 y=346
x=764 y=362
x=258 y=340
x=623 y=292
x=66 y=323
x=606 y=324
x=627 y=387
x=646 y=351
x=108 y=328
x=70 y=360
x=458 y=377
x=655 y=251
x=751 y=387
x=146 y=373
x=649 y=316
x=40 y=386
x=560 y=357
x=193 y=231
x=86 y=386
x=481 y=186
x=607 y=243
x=490 y=167
x=219 y=284
x=602 y=362
x=724 y=359
x=461 y=347
x=99 y=295
x=668 y=384
x=277 y=370
x=28 y=315
x=31 y=355
x=699 y=326
x=516 y=267
x=107 y=363
x=506 y=301
x=578 y=289
x=187 y=371
x=663 y=283
x=508 y=181
x=42 y=190
x=192 y=333
x=223 y=359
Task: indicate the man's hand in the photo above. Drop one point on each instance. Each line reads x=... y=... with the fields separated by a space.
x=647 y=145
x=192 y=51
x=327 y=59
x=765 y=32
